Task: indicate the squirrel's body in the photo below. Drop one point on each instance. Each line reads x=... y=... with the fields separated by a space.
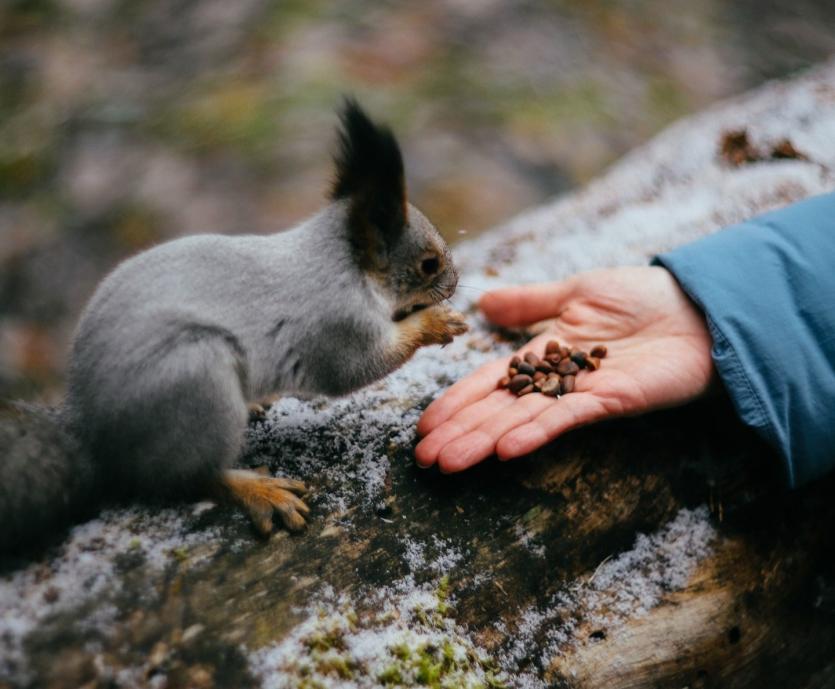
x=268 y=298
x=177 y=340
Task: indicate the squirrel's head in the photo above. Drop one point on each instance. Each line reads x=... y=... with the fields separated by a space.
x=392 y=241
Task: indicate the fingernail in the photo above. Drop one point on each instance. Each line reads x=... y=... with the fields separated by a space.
x=421 y=465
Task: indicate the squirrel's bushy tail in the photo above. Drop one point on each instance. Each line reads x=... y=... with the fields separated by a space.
x=46 y=480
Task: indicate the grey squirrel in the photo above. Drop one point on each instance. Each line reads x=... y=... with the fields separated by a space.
x=177 y=340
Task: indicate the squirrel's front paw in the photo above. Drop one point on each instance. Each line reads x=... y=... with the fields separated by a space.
x=440 y=324
x=263 y=496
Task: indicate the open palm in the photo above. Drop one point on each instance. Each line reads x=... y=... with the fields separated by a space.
x=659 y=356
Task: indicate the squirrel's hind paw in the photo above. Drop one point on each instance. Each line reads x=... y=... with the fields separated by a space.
x=263 y=496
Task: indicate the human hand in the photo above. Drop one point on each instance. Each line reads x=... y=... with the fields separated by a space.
x=658 y=356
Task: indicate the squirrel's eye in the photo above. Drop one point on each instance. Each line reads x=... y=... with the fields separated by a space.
x=429 y=266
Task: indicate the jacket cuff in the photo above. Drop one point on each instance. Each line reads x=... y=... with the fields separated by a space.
x=742 y=390
x=767 y=289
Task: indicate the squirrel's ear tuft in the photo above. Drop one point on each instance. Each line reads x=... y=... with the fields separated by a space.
x=369 y=173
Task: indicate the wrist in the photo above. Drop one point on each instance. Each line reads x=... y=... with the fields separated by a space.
x=691 y=321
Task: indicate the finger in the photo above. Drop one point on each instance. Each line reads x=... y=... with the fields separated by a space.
x=524 y=304
x=426 y=451
x=570 y=411
x=474 y=387
x=480 y=443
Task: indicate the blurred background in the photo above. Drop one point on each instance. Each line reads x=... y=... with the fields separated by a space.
x=127 y=122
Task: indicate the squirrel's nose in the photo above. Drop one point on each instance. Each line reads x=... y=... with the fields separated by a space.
x=451 y=281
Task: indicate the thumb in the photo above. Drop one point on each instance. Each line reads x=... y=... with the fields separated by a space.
x=525 y=304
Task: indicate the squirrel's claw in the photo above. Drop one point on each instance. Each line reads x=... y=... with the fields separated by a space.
x=291 y=512
x=456 y=325
x=257 y=412
x=262 y=496
x=439 y=324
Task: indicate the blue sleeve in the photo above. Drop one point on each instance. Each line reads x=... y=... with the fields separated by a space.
x=767 y=288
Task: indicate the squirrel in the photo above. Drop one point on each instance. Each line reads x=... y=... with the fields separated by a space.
x=178 y=340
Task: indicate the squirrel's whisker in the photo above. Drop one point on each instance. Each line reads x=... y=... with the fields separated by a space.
x=477 y=289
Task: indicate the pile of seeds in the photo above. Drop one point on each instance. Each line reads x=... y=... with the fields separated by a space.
x=553 y=374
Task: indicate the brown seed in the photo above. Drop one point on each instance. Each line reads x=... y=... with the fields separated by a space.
x=551 y=386
x=578 y=356
x=567 y=385
x=568 y=367
x=553 y=374
x=531 y=358
x=526 y=368
x=599 y=351
x=518 y=382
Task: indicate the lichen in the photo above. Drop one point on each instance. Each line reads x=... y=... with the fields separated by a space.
x=414 y=643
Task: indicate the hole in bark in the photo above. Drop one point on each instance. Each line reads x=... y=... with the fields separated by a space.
x=734 y=635
x=597 y=635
